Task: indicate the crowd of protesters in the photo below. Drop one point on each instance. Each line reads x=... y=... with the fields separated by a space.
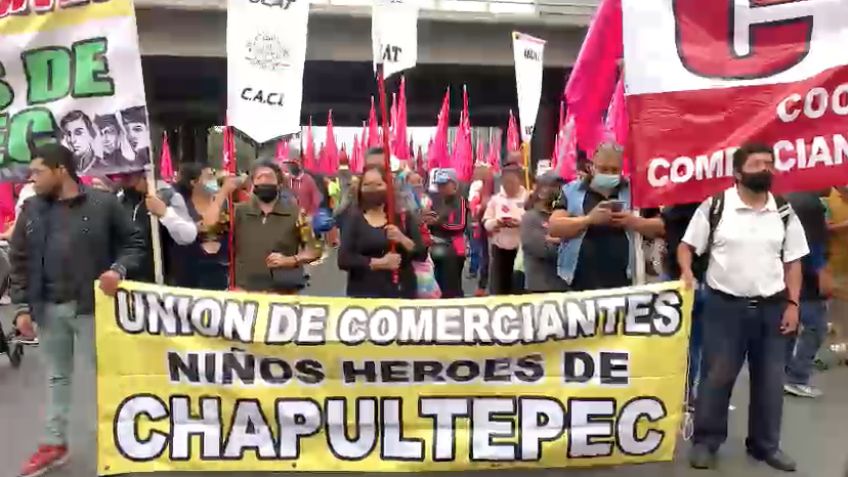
x=758 y=262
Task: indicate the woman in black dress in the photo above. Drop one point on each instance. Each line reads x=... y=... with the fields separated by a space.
x=365 y=251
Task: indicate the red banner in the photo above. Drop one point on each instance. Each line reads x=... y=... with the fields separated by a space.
x=696 y=96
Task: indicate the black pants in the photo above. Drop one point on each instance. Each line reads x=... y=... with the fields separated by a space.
x=501 y=271
x=734 y=329
x=448 y=271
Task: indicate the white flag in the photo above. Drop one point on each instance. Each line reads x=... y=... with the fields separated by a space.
x=394 y=35
x=528 y=53
x=266 y=48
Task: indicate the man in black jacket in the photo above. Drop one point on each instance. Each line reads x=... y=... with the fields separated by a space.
x=67 y=237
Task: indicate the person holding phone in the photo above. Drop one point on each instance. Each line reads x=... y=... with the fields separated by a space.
x=502 y=219
x=593 y=217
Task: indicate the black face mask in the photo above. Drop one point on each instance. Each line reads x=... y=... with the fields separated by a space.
x=372 y=199
x=294 y=169
x=266 y=192
x=757 y=181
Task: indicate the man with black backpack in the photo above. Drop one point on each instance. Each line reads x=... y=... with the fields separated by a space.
x=754 y=243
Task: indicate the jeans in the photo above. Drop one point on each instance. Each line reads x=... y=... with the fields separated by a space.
x=734 y=329
x=60 y=330
x=801 y=351
x=475 y=257
x=485 y=255
x=696 y=342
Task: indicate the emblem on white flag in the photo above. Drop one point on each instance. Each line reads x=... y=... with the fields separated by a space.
x=266 y=49
x=528 y=52
x=394 y=35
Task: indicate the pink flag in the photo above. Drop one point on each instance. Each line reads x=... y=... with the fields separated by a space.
x=309 y=152
x=617 y=121
x=567 y=146
x=592 y=80
x=437 y=154
x=400 y=147
x=356 y=150
x=463 y=153
x=513 y=142
x=166 y=168
x=420 y=167
x=7 y=203
x=494 y=159
x=229 y=151
x=374 y=139
x=555 y=157
x=481 y=152
x=331 y=152
x=283 y=151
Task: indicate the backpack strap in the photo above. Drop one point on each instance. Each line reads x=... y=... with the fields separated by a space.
x=716 y=209
x=785 y=211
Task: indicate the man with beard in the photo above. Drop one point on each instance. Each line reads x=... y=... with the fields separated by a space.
x=79 y=135
x=111 y=135
x=754 y=242
x=67 y=237
x=176 y=226
x=138 y=134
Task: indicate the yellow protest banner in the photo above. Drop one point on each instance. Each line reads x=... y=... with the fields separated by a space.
x=192 y=380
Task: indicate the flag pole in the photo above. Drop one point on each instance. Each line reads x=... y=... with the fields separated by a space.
x=525 y=153
x=387 y=162
x=155 y=238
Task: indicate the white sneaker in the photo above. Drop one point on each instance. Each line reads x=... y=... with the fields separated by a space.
x=804 y=391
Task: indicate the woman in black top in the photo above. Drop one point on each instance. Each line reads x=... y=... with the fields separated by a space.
x=365 y=245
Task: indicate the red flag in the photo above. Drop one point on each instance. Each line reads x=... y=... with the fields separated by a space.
x=463 y=160
x=374 y=139
x=166 y=168
x=513 y=142
x=401 y=148
x=592 y=80
x=309 y=154
x=437 y=153
x=331 y=157
x=229 y=162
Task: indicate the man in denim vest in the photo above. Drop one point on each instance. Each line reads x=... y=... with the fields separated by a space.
x=593 y=218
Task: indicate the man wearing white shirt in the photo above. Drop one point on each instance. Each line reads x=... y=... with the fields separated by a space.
x=754 y=243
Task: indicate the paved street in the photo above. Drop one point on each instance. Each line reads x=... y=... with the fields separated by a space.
x=816 y=432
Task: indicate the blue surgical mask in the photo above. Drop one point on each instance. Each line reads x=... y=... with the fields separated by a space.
x=212 y=186
x=605 y=181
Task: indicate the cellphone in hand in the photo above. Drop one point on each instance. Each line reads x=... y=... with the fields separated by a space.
x=616 y=205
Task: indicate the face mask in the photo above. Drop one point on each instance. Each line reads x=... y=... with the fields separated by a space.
x=294 y=169
x=373 y=199
x=757 y=181
x=605 y=181
x=266 y=192
x=212 y=186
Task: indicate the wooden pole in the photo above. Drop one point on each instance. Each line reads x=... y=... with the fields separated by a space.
x=387 y=161
x=525 y=153
x=155 y=238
